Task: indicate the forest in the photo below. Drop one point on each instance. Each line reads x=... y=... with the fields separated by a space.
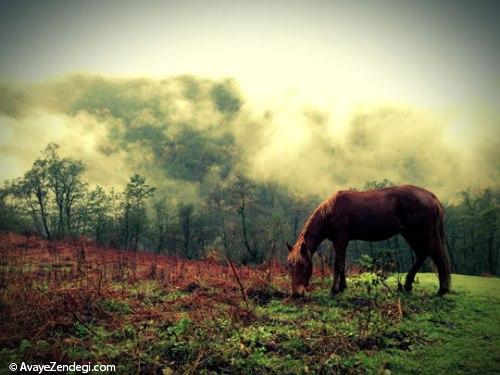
x=158 y=158
x=145 y=226
x=185 y=166
x=149 y=283
x=244 y=220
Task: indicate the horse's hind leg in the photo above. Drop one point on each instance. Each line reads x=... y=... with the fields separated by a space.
x=410 y=277
x=444 y=286
x=420 y=247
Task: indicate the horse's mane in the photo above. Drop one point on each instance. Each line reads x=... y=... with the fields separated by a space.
x=312 y=223
x=323 y=210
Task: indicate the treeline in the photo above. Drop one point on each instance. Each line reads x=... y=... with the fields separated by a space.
x=246 y=220
x=249 y=222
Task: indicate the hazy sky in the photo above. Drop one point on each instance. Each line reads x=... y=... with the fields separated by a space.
x=343 y=59
x=429 y=53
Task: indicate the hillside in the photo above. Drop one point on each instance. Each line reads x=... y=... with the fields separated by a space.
x=148 y=314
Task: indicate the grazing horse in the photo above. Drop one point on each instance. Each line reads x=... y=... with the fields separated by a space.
x=372 y=215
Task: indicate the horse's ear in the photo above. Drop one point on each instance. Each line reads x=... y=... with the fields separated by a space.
x=290 y=247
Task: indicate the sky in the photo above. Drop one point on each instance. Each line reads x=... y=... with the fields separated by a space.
x=339 y=57
x=424 y=52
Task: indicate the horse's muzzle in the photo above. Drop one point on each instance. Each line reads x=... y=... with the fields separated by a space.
x=298 y=291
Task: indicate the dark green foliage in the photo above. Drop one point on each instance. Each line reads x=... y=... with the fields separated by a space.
x=142 y=113
x=191 y=155
x=12 y=219
x=225 y=98
x=378 y=184
x=246 y=220
x=134 y=221
x=98 y=215
x=108 y=98
x=472 y=232
x=52 y=192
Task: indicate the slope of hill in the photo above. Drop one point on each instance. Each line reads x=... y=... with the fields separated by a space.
x=149 y=314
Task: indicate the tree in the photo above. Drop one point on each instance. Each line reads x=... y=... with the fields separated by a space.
x=472 y=232
x=50 y=183
x=186 y=219
x=489 y=215
x=242 y=192
x=12 y=212
x=369 y=185
x=134 y=210
x=34 y=189
x=98 y=214
x=64 y=180
x=160 y=224
x=217 y=202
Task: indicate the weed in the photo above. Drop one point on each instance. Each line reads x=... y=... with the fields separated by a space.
x=150 y=314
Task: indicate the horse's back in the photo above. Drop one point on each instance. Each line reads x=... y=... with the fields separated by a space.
x=382 y=213
x=417 y=206
x=388 y=198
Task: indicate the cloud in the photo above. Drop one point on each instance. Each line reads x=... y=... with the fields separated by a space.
x=407 y=146
x=181 y=130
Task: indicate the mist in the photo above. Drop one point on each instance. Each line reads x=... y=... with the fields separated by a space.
x=174 y=131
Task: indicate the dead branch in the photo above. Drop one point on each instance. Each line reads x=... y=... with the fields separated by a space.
x=239 y=282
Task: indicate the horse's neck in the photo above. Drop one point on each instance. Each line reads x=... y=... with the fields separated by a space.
x=313 y=232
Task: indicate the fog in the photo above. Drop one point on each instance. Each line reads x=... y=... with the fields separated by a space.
x=119 y=126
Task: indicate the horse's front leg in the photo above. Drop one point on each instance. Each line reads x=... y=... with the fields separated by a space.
x=339 y=281
x=343 y=281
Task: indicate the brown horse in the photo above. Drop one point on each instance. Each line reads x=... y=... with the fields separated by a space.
x=372 y=215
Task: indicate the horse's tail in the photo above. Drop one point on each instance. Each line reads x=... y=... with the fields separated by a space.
x=441 y=255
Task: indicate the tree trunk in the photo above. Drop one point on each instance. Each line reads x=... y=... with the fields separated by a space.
x=251 y=251
x=43 y=215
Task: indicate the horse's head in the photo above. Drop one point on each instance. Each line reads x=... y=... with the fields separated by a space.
x=300 y=265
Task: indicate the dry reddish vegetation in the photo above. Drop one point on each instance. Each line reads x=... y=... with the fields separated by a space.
x=147 y=313
x=58 y=293
x=56 y=284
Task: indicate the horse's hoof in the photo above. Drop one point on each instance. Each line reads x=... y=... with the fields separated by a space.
x=400 y=287
x=334 y=292
x=442 y=292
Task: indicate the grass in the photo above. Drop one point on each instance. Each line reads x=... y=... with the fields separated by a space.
x=463 y=328
x=150 y=314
